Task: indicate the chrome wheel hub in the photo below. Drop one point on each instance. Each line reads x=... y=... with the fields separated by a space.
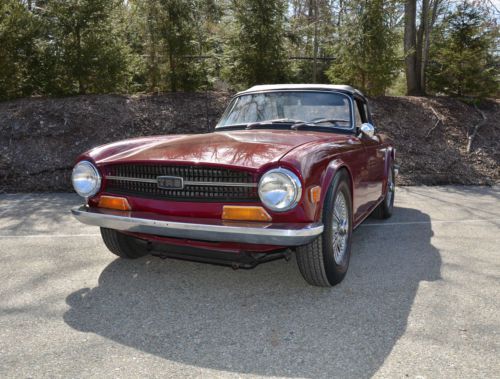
x=340 y=226
x=343 y=227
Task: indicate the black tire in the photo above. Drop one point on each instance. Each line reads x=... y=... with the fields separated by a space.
x=317 y=261
x=122 y=245
x=385 y=208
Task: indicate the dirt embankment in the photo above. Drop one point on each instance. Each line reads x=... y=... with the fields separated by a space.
x=40 y=138
x=432 y=136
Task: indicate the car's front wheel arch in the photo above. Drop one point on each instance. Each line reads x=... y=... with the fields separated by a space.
x=333 y=168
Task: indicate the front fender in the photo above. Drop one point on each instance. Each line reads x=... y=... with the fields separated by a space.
x=326 y=180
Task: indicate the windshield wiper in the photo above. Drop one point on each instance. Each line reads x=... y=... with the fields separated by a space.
x=316 y=122
x=294 y=124
x=271 y=122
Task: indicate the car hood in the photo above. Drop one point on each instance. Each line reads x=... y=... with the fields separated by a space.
x=248 y=148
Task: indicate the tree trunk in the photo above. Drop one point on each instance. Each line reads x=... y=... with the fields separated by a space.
x=173 y=74
x=152 y=58
x=431 y=20
x=419 y=48
x=412 y=78
x=79 y=71
x=315 y=42
x=341 y=10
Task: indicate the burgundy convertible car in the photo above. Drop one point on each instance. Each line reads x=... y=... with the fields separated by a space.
x=287 y=168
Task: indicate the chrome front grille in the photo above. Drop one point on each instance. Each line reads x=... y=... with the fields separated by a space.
x=200 y=183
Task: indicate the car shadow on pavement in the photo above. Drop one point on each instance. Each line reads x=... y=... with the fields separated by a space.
x=267 y=321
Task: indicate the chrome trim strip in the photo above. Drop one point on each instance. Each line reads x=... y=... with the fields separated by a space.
x=186 y=182
x=282 y=234
x=128 y=179
x=222 y=184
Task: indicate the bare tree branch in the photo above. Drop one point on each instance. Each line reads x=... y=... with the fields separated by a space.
x=439 y=120
x=471 y=136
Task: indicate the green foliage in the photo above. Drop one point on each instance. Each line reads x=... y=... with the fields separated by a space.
x=87 y=52
x=177 y=34
x=66 y=47
x=398 y=86
x=312 y=32
x=366 y=49
x=18 y=50
x=256 y=49
x=179 y=41
x=463 y=61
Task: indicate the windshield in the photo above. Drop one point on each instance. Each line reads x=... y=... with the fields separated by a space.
x=327 y=109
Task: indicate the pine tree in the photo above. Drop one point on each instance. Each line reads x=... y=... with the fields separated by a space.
x=463 y=59
x=256 y=49
x=86 y=51
x=366 y=50
x=176 y=39
x=312 y=30
x=19 y=55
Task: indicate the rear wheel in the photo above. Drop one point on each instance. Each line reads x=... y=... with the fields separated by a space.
x=384 y=209
x=122 y=245
x=324 y=261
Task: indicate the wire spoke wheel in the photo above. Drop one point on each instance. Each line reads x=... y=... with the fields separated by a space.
x=324 y=261
x=385 y=208
x=390 y=187
x=340 y=226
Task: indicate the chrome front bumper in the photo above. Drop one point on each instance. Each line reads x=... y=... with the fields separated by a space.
x=286 y=234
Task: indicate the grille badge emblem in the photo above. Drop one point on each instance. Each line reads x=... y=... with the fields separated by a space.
x=170 y=182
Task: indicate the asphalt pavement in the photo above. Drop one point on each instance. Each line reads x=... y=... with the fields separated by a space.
x=421 y=300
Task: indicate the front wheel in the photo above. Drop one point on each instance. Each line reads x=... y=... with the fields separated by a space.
x=324 y=261
x=123 y=245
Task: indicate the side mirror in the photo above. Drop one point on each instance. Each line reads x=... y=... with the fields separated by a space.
x=367 y=129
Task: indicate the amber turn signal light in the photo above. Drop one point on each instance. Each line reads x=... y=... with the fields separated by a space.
x=241 y=213
x=315 y=194
x=112 y=202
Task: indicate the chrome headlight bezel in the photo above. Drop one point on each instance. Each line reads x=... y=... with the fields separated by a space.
x=92 y=175
x=289 y=178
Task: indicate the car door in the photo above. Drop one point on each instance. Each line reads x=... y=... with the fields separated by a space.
x=372 y=173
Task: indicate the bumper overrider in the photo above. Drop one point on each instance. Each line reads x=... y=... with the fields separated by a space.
x=280 y=234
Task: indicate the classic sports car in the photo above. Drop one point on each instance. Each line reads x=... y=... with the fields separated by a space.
x=287 y=168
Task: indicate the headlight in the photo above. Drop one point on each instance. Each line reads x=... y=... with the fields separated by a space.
x=280 y=189
x=86 y=179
